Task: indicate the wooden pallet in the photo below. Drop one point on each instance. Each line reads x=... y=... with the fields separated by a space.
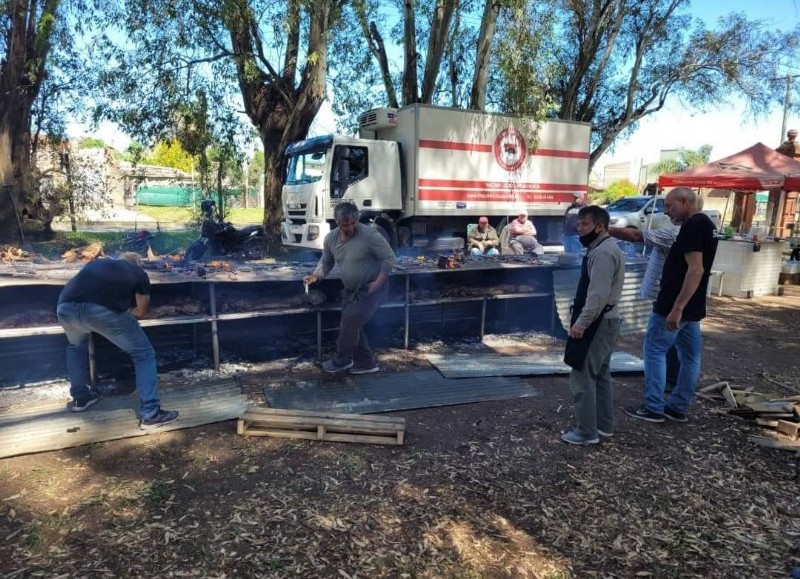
x=333 y=427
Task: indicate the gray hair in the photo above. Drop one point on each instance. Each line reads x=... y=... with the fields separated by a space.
x=132 y=257
x=345 y=210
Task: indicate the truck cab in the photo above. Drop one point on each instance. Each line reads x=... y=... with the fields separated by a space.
x=324 y=171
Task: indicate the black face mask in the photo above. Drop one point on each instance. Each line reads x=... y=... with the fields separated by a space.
x=588 y=239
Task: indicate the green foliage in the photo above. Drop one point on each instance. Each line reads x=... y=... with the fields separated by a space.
x=617 y=190
x=91 y=143
x=171 y=154
x=685 y=159
x=524 y=71
x=619 y=62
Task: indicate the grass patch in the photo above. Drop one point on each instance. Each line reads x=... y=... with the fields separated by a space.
x=191 y=217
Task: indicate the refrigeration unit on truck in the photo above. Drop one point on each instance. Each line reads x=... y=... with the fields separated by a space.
x=421 y=174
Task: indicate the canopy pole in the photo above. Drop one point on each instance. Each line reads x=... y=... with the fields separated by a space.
x=725 y=212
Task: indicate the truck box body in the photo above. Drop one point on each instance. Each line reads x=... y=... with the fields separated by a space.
x=473 y=163
x=423 y=172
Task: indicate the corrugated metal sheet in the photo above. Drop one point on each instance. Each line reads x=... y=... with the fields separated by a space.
x=634 y=311
x=52 y=427
x=390 y=392
x=547 y=363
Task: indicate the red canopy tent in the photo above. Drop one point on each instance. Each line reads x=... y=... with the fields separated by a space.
x=757 y=168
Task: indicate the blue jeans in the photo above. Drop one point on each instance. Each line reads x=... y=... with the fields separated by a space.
x=79 y=320
x=657 y=341
x=491 y=252
x=572 y=244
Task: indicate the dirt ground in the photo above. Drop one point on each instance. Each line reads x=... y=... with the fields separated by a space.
x=482 y=490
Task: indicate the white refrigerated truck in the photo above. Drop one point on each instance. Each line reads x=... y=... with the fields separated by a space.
x=421 y=174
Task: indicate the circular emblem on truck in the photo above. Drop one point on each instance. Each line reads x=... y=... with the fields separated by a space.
x=510 y=149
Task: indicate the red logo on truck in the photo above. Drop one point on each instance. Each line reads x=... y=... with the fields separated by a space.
x=510 y=149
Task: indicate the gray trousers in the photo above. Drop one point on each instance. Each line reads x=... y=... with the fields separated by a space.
x=357 y=309
x=592 y=393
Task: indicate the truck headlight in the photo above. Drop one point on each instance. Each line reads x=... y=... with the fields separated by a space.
x=313 y=232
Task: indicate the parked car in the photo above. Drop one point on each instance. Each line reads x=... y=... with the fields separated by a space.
x=639 y=212
x=646 y=212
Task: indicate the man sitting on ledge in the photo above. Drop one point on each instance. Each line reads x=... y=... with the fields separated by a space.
x=483 y=239
x=523 y=235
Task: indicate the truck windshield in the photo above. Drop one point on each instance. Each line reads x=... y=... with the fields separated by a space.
x=305 y=167
x=628 y=204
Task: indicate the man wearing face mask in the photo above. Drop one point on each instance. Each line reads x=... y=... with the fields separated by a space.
x=594 y=329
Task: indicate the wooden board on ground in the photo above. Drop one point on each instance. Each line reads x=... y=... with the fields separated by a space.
x=788 y=428
x=485 y=364
x=326 y=426
x=768 y=442
x=54 y=427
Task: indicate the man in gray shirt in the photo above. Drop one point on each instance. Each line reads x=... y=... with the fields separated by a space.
x=365 y=260
x=594 y=329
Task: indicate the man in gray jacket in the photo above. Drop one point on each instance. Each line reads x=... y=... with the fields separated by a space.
x=364 y=259
x=594 y=329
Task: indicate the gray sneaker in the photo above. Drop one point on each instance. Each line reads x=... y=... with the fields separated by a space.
x=332 y=366
x=572 y=437
x=365 y=369
x=161 y=418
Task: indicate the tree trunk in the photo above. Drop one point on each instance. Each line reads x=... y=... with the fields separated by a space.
x=491 y=11
x=30 y=27
x=410 y=86
x=442 y=16
x=282 y=111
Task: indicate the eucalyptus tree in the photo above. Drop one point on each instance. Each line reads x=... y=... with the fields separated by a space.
x=622 y=60
x=197 y=69
x=403 y=53
x=44 y=69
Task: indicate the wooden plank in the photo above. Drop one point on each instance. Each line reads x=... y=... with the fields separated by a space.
x=729 y=398
x=258 y=410
x=746 y=398
x=772 y=443
x=771 y=407
x=715 y=387
x=327 y=437
x=768 y=422
x=788 y=428
x=310 y=423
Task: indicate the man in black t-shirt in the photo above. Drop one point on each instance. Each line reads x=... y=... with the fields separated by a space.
x=107 y=296
x=677 y=311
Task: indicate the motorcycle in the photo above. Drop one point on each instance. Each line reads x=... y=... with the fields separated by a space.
x=219 y=237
